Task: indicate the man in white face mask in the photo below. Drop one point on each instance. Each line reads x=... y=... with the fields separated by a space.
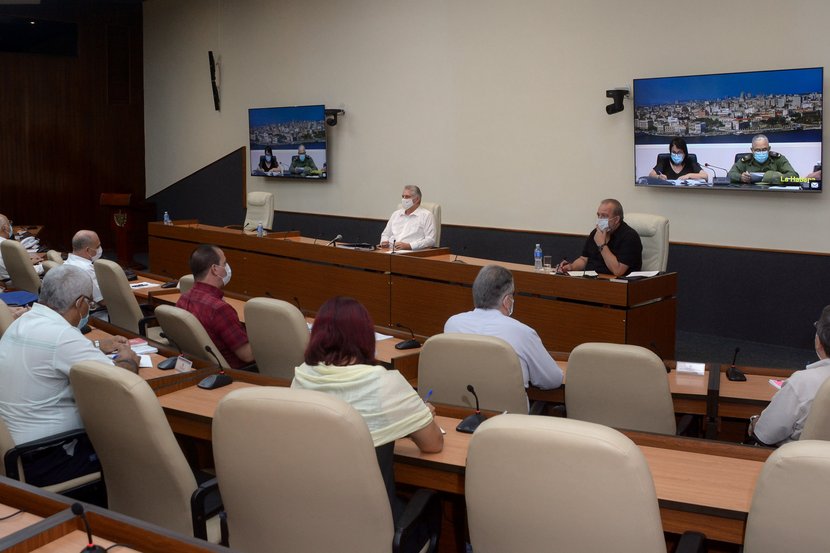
x=494 y=300
x=205 y=300
x=412 y=227
x=783 y=420
x=612 y=248
x=86 y=250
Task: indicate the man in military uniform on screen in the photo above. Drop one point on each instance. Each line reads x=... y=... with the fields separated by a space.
x=302 y=164
x=761 y=165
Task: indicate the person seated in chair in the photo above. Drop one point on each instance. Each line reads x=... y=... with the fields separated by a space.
x=86 y=250
x=412 y=227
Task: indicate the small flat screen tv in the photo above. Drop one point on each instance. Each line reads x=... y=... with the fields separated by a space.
x=718 y=115
x=288 y=142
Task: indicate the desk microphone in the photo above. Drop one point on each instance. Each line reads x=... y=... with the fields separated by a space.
x=170 y=362
x=215 y=380
x=334 y=240
x=78 y=510
x=456 y=260
x=732 y=373
x=469 y=424
x=407 y=344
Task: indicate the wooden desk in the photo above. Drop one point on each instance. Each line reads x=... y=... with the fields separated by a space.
x=696 y=491
x=422 y=289
x=145 y=286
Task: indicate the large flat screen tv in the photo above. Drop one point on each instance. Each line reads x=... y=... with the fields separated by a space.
x=717 y=116
x=288 y=142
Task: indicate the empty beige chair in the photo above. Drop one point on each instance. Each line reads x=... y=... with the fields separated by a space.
x=145 y=471
x=449 y=362
x=6 y=317
x=278 y=333
x=260 y=210
x=654 y=234
x=817 y=425
x=790 y=504
x=185 y=332
x=122 y=307
x=19 y=266
x=298 y=472
x=53 y=255
x=49 y=265
x=11 y=453
x=186 y=283
x=621 y=386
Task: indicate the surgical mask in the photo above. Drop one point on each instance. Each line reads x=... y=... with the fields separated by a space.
x=677 y=159
x=761 y=157
x=98 y=253
x=407 y=203
x=302 y=157
x=227 y=278
x=85 y=319
x=268 y=158
x=603 y=225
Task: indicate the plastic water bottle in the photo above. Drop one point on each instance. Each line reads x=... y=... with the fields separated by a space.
x=167 y=220
x=537 y=258
x=259 y=232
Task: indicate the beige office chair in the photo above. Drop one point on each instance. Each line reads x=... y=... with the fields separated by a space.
x=449 y=362
x=278 y=333
x=621 y=386
x=186 y=333
x=553 y=484
x=790 y=504
x=186 y=282
x=260 y=210
x=19 y=266
x=654 y=234
x=817 y=425
x=6 y=317
x=49 y=265
x=53 y=255
x=435 y=209
x=299 y=472
x=122 y=307
x=12 y=465
x=146 y=473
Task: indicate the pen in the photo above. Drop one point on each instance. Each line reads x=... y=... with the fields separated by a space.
x=426 y=397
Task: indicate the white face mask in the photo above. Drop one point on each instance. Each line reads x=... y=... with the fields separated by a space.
x=227 y=278
x=98 y=254
x=603 y=225
x=407 y=203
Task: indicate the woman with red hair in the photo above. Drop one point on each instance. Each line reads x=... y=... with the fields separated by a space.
x=340 y=360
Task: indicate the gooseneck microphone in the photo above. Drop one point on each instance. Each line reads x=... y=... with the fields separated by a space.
x=707 y=165
x=215 y=380
x=733 y=373
x=456 y=260
x=78 y=510
x=469 y=424
x=334 y=240
x=407 y=344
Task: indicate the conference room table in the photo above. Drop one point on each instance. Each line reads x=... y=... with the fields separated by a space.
x=420 y=290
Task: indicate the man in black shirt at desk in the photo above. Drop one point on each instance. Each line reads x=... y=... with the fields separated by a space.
x=612 y=248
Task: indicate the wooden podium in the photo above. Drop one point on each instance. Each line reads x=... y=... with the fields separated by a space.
x=122 y=221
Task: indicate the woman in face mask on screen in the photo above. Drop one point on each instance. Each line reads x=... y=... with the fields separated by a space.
x=678 y=164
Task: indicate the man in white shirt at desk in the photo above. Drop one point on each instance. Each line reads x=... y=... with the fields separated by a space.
x=783 y=420
x=493 y=299
x=6 y=232
x=412 y=227
x=86 y=250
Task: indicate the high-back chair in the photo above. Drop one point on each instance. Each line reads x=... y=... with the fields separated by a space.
x=54 y=255
x=19 y=266
x=185 y=332
x=278 y=334
x=449 y=362
x=122 y=306
x=435 y=209
x=146 y=473
x=619 y=385
x=260 y=210
x=299 y=472
x=186 y=282
x=817 y=425
x=654 y=234
x=553 y=484
x=790 y=504
x=48 y=265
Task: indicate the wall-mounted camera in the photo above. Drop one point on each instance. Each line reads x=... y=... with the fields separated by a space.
x=331 y=116
x=617 y=94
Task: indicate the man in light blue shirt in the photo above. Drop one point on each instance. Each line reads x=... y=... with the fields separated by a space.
x=493 y=299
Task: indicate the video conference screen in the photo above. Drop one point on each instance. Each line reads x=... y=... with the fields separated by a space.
x=288 y=142
x=717 y=117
